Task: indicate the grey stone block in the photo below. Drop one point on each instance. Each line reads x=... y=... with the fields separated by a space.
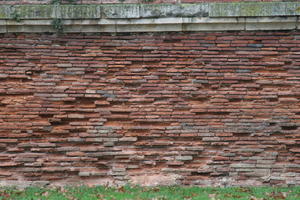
x=84 y=174
x=128 y=11
x=256 y=9
x=80 y=11
x=174 y=10
x=32 y=11
x=184 y=158
x=242 y=165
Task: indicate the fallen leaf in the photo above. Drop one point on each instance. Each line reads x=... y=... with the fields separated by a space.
x=254 y=198
x=278 y=195
x=121 y=189
x=212 y=196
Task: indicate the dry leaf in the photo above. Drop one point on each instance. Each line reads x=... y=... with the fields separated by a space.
x=212 y=196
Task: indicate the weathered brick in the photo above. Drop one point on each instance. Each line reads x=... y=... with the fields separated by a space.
x=184 y=158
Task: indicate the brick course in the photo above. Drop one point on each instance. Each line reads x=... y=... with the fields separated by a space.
x=193 y=108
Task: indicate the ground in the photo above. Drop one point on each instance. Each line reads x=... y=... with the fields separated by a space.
x=151 y=193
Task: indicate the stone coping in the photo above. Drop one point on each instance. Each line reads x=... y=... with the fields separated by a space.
x=151 y=17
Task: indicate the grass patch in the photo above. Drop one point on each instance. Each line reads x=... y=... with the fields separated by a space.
x=151 y=193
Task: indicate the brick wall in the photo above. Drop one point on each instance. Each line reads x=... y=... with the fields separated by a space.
x=191 y=108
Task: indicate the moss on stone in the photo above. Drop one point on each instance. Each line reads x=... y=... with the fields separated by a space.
x=235 y=9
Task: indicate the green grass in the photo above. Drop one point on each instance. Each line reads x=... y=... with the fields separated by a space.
x=154 y=193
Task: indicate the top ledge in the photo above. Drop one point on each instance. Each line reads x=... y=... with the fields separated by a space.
x=248 y=9
x=150 y=17
x=138 y=11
